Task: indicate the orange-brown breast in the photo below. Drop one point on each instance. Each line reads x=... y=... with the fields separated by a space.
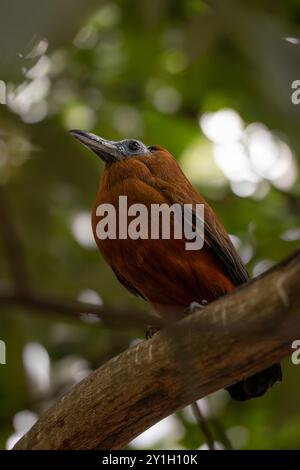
x=162 y=271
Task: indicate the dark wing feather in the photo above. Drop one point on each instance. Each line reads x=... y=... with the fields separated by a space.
x=229 y=257
x=222 y=246
x=128 y=286
x=216 y=236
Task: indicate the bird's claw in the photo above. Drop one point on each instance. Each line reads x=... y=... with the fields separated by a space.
x=195 y=306
x=151 y=331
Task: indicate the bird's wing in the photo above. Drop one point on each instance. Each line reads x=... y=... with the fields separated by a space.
x=220 y=243
x=128 y=285
x=215 y=235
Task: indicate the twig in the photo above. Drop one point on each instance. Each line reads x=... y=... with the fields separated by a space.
x=222 y=434
x=13 y=248
x=204 y=426
x=125 y=317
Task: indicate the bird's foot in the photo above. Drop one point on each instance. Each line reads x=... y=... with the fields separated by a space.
x=151 y=330
x=195 y=306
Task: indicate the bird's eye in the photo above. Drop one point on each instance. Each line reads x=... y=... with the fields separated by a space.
x=133 y=146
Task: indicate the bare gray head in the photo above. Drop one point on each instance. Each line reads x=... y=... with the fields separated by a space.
x=108 y=150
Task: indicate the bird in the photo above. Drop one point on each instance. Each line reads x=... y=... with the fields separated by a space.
x=162 y=271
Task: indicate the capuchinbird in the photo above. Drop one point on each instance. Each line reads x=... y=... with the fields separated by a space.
x=163 y=271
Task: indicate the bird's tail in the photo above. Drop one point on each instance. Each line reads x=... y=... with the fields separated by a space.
x=256 y=385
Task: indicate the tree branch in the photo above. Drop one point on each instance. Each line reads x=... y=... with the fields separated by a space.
x=233 y=338
x=114 y=317
x=13 y=248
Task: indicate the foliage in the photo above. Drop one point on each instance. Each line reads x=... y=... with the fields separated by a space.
x=152 y=70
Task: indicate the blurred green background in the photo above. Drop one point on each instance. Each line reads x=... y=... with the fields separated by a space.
x=211 y=82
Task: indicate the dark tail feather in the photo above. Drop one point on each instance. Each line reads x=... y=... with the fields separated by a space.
x=257 y=385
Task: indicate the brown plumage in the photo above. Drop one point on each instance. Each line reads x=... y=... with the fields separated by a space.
x=163 y=271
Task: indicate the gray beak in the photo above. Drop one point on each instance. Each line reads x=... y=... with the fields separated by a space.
x=108 y=150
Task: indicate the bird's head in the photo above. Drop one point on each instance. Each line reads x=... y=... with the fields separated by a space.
x=131 y=158
x=112 y=151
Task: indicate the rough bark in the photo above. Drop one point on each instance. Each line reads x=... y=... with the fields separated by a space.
x=231 y=339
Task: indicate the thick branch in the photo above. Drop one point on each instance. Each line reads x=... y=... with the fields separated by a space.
x=232 y=338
